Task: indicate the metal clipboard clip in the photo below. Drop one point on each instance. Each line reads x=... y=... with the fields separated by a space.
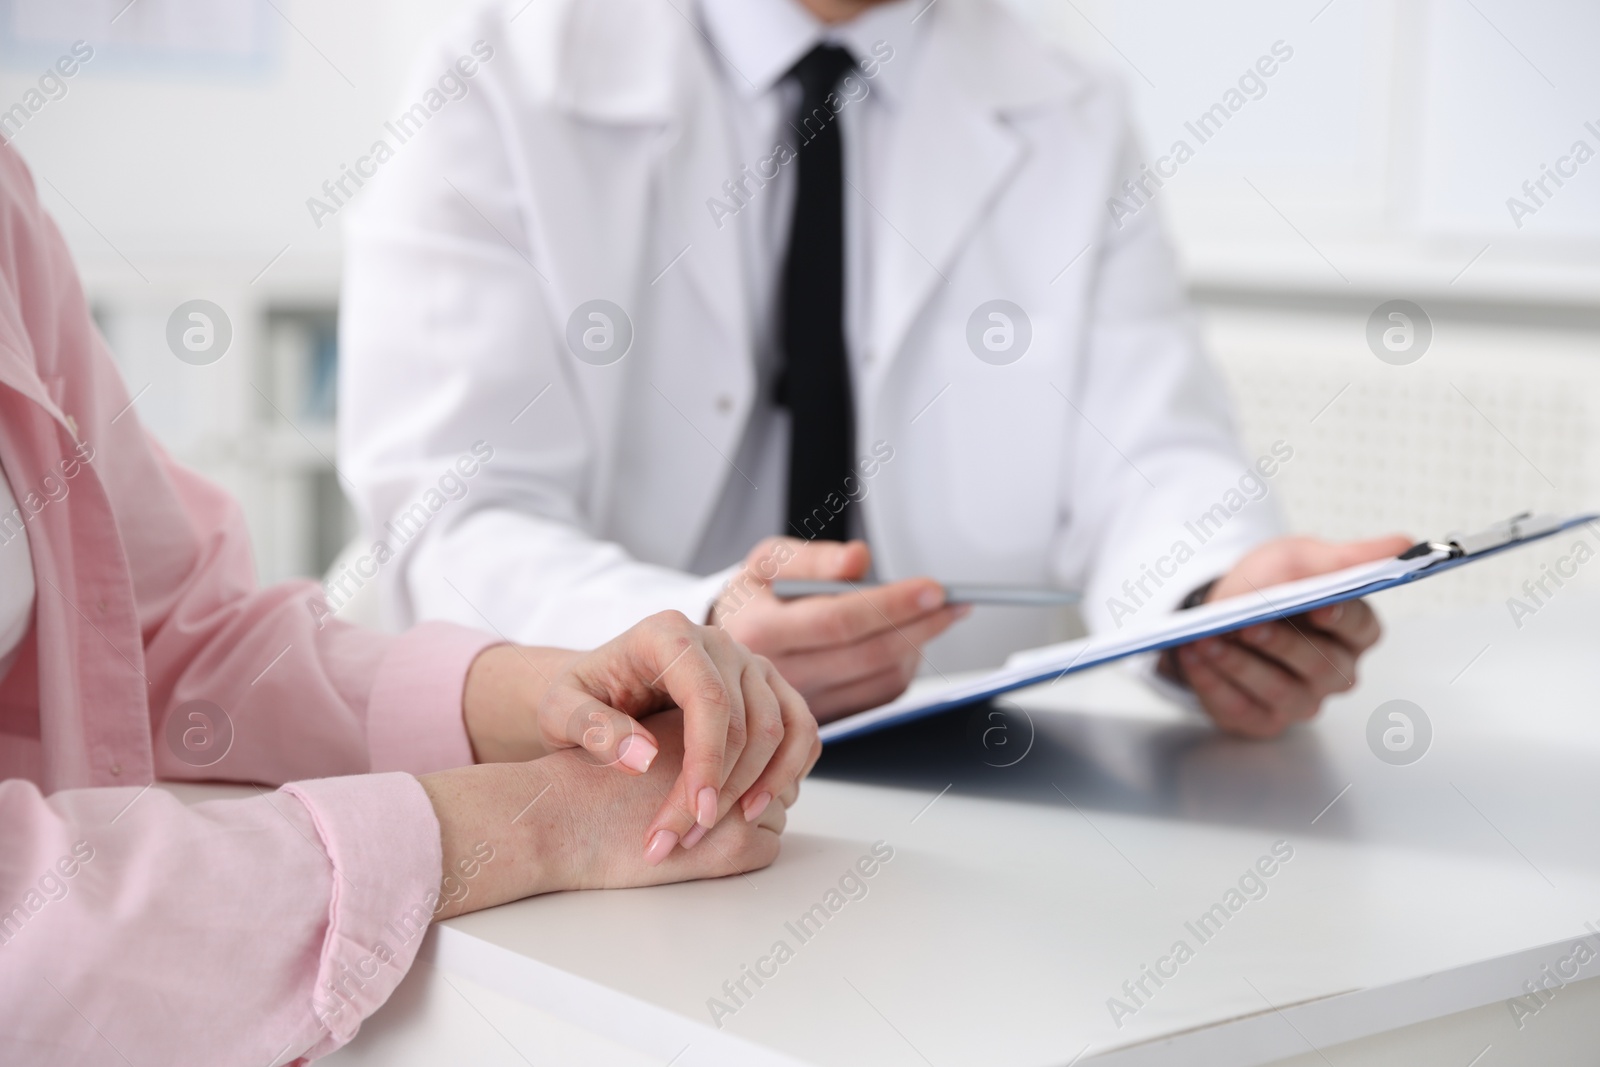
x=1517 y=528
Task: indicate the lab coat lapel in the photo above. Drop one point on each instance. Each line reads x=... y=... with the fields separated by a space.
x=638 y=92
x=614 y=102
x=651 y=108
x=695 y=168
x=951 y=156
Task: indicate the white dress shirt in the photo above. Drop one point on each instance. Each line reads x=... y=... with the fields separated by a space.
x=759 y=42
x=16 y=578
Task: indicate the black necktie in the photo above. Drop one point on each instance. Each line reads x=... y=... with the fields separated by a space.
x=815 y=383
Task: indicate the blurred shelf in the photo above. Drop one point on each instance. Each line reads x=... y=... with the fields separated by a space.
x=260 y=420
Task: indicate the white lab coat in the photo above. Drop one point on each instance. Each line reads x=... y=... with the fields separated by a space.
x=577 y=167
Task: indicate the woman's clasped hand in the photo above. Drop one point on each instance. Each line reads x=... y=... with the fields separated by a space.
x=611 y=768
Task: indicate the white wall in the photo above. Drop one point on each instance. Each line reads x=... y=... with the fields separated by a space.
x=1400 y=125
x=1397 y=124
x=184 y=156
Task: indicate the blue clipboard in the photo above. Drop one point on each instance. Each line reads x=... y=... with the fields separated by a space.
x=1421 y=561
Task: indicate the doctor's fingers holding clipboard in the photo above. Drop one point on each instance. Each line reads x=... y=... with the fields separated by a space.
x=691 y=284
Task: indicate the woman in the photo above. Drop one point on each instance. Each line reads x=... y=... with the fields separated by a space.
x=134 y=647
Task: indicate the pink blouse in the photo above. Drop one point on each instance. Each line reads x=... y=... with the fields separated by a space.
x=134 y=928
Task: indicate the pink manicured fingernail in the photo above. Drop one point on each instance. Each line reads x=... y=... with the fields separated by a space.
x=1335 y=613
x=929 y=599
x=756 y=805
x=707 y=814
x=1257 y=635
x=661 y=846
x=636 y=753
x=692 y=838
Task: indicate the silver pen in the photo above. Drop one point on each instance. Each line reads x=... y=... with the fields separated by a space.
x=955 y=593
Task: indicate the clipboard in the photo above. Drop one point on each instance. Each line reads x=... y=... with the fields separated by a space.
x=1423 y=560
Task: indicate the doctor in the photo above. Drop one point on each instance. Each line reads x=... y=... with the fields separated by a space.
x=701 y=275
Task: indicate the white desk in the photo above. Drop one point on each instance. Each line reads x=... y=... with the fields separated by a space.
x=1020 y=898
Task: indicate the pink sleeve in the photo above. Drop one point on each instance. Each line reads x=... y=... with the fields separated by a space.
x=305 y=694
x=246 y=931
x=133 y=928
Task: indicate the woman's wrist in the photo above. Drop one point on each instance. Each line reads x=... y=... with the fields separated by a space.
x=498 y=842
x=502 y=692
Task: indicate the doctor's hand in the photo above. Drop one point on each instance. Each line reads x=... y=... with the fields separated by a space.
x=843 y=653
x=1257 y=681
x=747 y=735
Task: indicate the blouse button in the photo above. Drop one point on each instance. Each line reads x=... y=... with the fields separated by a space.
x=116 y=770
x=724 y=403
x=100 y=605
